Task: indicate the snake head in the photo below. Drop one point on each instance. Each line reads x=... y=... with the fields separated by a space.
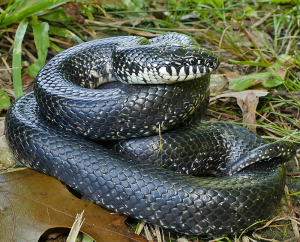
x=162 y=63
x=186 y=62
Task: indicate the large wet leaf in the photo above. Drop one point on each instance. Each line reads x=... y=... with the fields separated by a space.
x=31 y=203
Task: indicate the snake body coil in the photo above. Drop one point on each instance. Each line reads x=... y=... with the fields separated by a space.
x=47 y=132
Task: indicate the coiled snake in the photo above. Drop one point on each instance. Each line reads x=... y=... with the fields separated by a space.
x=54 y=131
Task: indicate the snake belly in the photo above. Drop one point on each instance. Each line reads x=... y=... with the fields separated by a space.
x=46 y=131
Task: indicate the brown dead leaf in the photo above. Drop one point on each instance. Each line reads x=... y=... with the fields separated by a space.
x=217 y=83
x=27 y=82
x=5 y=76
x=230 y=74
x=256 y=38
x=1 y=126
x=248 y=106
x=7 y=159
x=7 y=85
x=31 y=203
x=247 y=100
x=281 y=72
x=72 y=10
x=287 y=62
x=242 y=94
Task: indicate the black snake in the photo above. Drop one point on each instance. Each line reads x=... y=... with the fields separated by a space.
x=47 y=132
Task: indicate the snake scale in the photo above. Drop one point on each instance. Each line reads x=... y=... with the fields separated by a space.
x=55 y=130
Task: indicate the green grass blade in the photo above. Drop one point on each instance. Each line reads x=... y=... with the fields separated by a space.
x=58 y=15
x=2 y=16
x=250 y=63
x=137 y=226
x=64 y=33
x=292 y=194
x=55 y=47
x=17 y=57
x=250 y=227
x=73 y=30
x=41 y=40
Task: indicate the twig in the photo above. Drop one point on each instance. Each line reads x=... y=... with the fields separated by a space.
x=75 y=228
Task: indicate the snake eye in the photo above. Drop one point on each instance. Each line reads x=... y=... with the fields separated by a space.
x=193 y=61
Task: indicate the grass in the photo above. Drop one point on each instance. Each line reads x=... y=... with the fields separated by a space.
x=240 y=29
x=17 y=57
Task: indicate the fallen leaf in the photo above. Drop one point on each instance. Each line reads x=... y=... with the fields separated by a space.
x=256 y=37
x=27 y=82
x=251 y=12
x=287 y=61
x=247 y=100
x=241 y=95
x=217 y=83
x=190 y=16
x=267 y=79
x=230 y=74
x=31 y=203
x=248 y=106
x=1 y=126
x=4 y=75
x=7 y=159
x=72 y=10
x=4 y=100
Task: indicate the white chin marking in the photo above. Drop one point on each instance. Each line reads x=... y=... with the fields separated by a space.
x=191 y=70
x=174 y=72
x=173 y=79
x=166 y=77
x=162 y=76
x=181 y=78
x=181 y=72
x=163 y=71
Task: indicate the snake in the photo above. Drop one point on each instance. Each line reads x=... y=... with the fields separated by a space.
x=118 y=120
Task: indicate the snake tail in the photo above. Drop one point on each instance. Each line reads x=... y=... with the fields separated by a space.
x=205 y=148
x=282 y=149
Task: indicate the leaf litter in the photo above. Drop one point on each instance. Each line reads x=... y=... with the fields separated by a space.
x=31 y=203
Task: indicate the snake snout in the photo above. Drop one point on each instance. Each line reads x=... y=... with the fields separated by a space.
x=208 y=59
x=214 y=62
x=186 y=62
